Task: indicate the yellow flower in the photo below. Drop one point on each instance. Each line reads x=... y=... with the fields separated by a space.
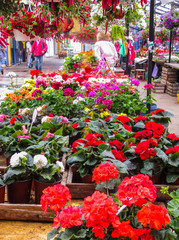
x=104 y=114
x=91 y=114
x=47 y=90
x=122 y=114
x=87 y=109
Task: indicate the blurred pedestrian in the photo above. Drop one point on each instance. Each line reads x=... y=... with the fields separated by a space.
x=20 y=52
x=2 y=60
x=39 y=48
x=28 y=51
x=104 y=49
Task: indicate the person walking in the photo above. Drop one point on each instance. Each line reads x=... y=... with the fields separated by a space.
x=20 y=52
x=2 y=60
x=39 y=48
x=104 y=49
x=28 y=51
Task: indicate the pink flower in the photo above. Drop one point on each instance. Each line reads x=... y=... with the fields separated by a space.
x=22 y=137
x=48 y=135
x=64 y=119
x=25 y=130
x=148 y=86
x=2 y=117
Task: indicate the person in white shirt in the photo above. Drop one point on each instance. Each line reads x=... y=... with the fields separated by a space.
x=103 y=48
x=28 y=51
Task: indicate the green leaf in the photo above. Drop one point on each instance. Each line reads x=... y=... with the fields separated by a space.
x=139 y=125
x=148 y=165
x=52 y=234
x=174 y=223
x=161 y=155
x=171 y=178
x=76 y=157
x=17 y=171
x=173 y=208
x=107 y=154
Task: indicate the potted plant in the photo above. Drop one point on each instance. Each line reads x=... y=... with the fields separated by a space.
x=19 y=178
x=110 y=217
x=45 y=174
x=2 y=189
x=90 y=151
x=72 y=63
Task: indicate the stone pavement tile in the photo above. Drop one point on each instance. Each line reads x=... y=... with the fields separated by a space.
x=18 y=230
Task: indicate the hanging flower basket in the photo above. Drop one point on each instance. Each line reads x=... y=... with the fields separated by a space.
x=171 y=19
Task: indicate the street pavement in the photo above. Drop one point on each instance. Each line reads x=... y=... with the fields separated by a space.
x=52 y=64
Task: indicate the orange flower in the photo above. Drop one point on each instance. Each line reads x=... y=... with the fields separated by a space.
x=154 y=215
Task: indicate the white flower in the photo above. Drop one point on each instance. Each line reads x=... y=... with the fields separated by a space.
x=46 y=119
x=75 y=101
x=22 y=154
x=60 y=164
x=83 y=87
x=15 y=160
x=23 y=111
x=80 y=99
x=40 y=161
x=11 y=74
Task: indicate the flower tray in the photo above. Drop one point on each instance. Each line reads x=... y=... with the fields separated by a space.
x=81 y=190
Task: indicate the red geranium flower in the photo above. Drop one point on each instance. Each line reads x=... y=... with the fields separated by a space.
x=68 y=217
x=65 y=76
x=119 y=155
x=55 y=197
x=123 y=229
x=172 y=150
x=157 y=128
x=105 y=172
x=76 y=144
x=100 y=211
x=87 y=120
x=140 y=118
x=56 y=85
x=116 y=143
x=143 y=233
x=123 y=119
x=172 y=136
x=75 y=125
x=127 y=127
x=157 y=111
x=136 y=190
x=154 y=215
x=13 y=119
x=35 y=73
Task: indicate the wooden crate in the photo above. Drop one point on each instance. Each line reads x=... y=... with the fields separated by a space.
x=169 y=75
x=78 y=190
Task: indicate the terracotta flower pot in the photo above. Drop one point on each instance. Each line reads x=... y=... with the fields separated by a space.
x=2 y=194
x=40 y=186
x=19 y=192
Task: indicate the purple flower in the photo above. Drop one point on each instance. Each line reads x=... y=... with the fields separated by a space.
x=79 y=95
x=99 y=100
x=105 y=93
x=148 y=86
x=92 y=94
x=38 y=99
x=108 y=102
x=87 y=85
x=40 y=82
x=135 y=82
x=69 y=92
x=116 y=87
x=35 y=92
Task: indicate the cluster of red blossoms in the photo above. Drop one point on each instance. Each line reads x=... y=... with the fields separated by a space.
x=172 y=150
x=136 y=190
x=90 y=140
x=144 y=149
x=100 y=213
x=105 y=172
x=55 y=197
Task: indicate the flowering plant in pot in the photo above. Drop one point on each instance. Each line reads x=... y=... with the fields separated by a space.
x=45 y=174
x=19 y=177
x=171 y=19
x=129 y=214
x=87 y=34
x=72 y=63
x=90 y=151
